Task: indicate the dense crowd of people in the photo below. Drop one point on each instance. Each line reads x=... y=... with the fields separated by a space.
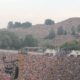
x=38 y=67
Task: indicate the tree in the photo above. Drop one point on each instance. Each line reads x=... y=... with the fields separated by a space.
x=26 y=24
x=65 y=32
x=73 y=31
x=61 y=31
x=17 y=25
x=48 y=45
x=78 y=28
x=30 y=41
x=8 y=40
x=74 y=45
x=10 y=25
x=51 y=35
x=49 y=22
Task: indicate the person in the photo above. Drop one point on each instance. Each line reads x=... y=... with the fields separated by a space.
x=4 y=76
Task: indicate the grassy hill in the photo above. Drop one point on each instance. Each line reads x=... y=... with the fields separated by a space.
x=40 y=31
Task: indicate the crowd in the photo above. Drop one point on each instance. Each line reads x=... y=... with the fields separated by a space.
x=52 y=68
x=38 y=67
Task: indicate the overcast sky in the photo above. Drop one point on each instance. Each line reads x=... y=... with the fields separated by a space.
x=36 y=11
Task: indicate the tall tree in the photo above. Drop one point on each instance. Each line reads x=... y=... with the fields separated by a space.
x=17 y=25
x=8 y=40
x=51 y=35
x=49 y=22
x=73 y=31
x=26 y=24
x=61 y=31
x=78 y=28
x=10 y=25
x=30 y=41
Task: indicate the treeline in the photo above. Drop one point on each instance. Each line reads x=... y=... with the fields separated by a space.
x=9 y=40
x=27 y=24
x=73 y=45
x=75 y=31
x=52 y=34
x=19 y=25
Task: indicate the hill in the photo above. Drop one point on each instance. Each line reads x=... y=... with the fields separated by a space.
x=40 y=31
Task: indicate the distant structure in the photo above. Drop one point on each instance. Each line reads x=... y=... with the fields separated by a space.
x=32 y=50
x=50 y=52
x=38 y=51
x=74 y=53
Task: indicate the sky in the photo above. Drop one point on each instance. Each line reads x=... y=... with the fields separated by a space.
x=36 y=11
